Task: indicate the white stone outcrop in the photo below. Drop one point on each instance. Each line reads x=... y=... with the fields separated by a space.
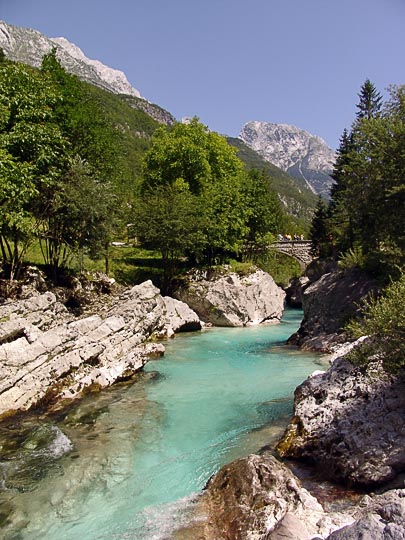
x=259 y=498
x=46 y=355
x=229 y=299
x=349 y=422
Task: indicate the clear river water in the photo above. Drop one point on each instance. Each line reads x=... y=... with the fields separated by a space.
x=126 y=463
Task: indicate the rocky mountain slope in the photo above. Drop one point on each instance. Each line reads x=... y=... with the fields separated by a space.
x=29 y=46
x=297 y=198
x=294 y=150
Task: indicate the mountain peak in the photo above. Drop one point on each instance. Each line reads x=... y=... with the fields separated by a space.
x=293 y=150
x=29 y=46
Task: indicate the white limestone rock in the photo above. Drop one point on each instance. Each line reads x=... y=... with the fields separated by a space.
x=46 y=356
x=233 y=300
x=349 y=422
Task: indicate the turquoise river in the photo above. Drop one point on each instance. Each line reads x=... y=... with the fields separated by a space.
x=128 y=462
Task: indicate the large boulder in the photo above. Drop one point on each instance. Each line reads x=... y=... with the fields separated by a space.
x=228 y=299
x=179 y=317
x=46 y=355
x=258 y=497
x=349 y=422
x=328 y=304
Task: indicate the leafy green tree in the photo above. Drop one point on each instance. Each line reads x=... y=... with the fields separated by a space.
x=168 y=218
x=77 y=219
x=17 y=189
x=180 y=152
x=80 y=208
x=205 y=162
x=265 y=217
x=33 y=152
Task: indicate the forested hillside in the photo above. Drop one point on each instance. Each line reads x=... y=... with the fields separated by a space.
x=79 y=163
x=298 y=200
x=70 y=161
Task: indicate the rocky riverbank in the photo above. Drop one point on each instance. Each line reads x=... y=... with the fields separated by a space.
x=348 y=424
x=47 y=354
x=329 y=301
x=58 y=347
x=228 y=299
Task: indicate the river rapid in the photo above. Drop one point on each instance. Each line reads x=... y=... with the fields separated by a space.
x=128 y=463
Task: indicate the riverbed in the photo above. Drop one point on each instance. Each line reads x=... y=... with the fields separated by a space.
x=128 y=462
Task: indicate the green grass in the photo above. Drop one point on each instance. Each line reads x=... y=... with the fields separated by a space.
x=131 y=265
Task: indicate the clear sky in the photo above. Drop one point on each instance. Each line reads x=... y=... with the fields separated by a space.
x=299 y=62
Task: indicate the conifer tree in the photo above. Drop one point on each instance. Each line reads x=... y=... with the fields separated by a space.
x=339 y=208
x=370 y=102
x=319 y=233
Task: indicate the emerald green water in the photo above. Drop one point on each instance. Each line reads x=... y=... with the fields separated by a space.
x=127 y=463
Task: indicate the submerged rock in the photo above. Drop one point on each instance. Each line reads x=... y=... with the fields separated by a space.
x=233 y=300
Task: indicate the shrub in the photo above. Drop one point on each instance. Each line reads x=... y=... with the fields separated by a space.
x=384 y=322
x=353 y=258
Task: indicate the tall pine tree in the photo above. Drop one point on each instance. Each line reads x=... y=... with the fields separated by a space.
x=370 y=101
x=340 y=220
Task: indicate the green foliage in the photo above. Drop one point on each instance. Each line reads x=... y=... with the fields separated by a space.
x=168 y=219
x=219 y=209
x=281 y=267
x=384 y=322
x=70 y=154
x=33 y=151
x=299 y=201
x=370 y=101
x=353 y=258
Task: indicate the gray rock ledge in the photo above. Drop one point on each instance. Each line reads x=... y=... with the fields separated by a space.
x=328 y=304
x=349 y=421
x=47 y=355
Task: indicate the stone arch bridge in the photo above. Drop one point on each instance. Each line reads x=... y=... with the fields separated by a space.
x=298 y=249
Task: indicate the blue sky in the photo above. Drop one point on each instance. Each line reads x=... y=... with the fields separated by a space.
x=299 y=62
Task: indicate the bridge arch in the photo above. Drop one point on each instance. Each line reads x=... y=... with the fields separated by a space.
x=300 y=250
